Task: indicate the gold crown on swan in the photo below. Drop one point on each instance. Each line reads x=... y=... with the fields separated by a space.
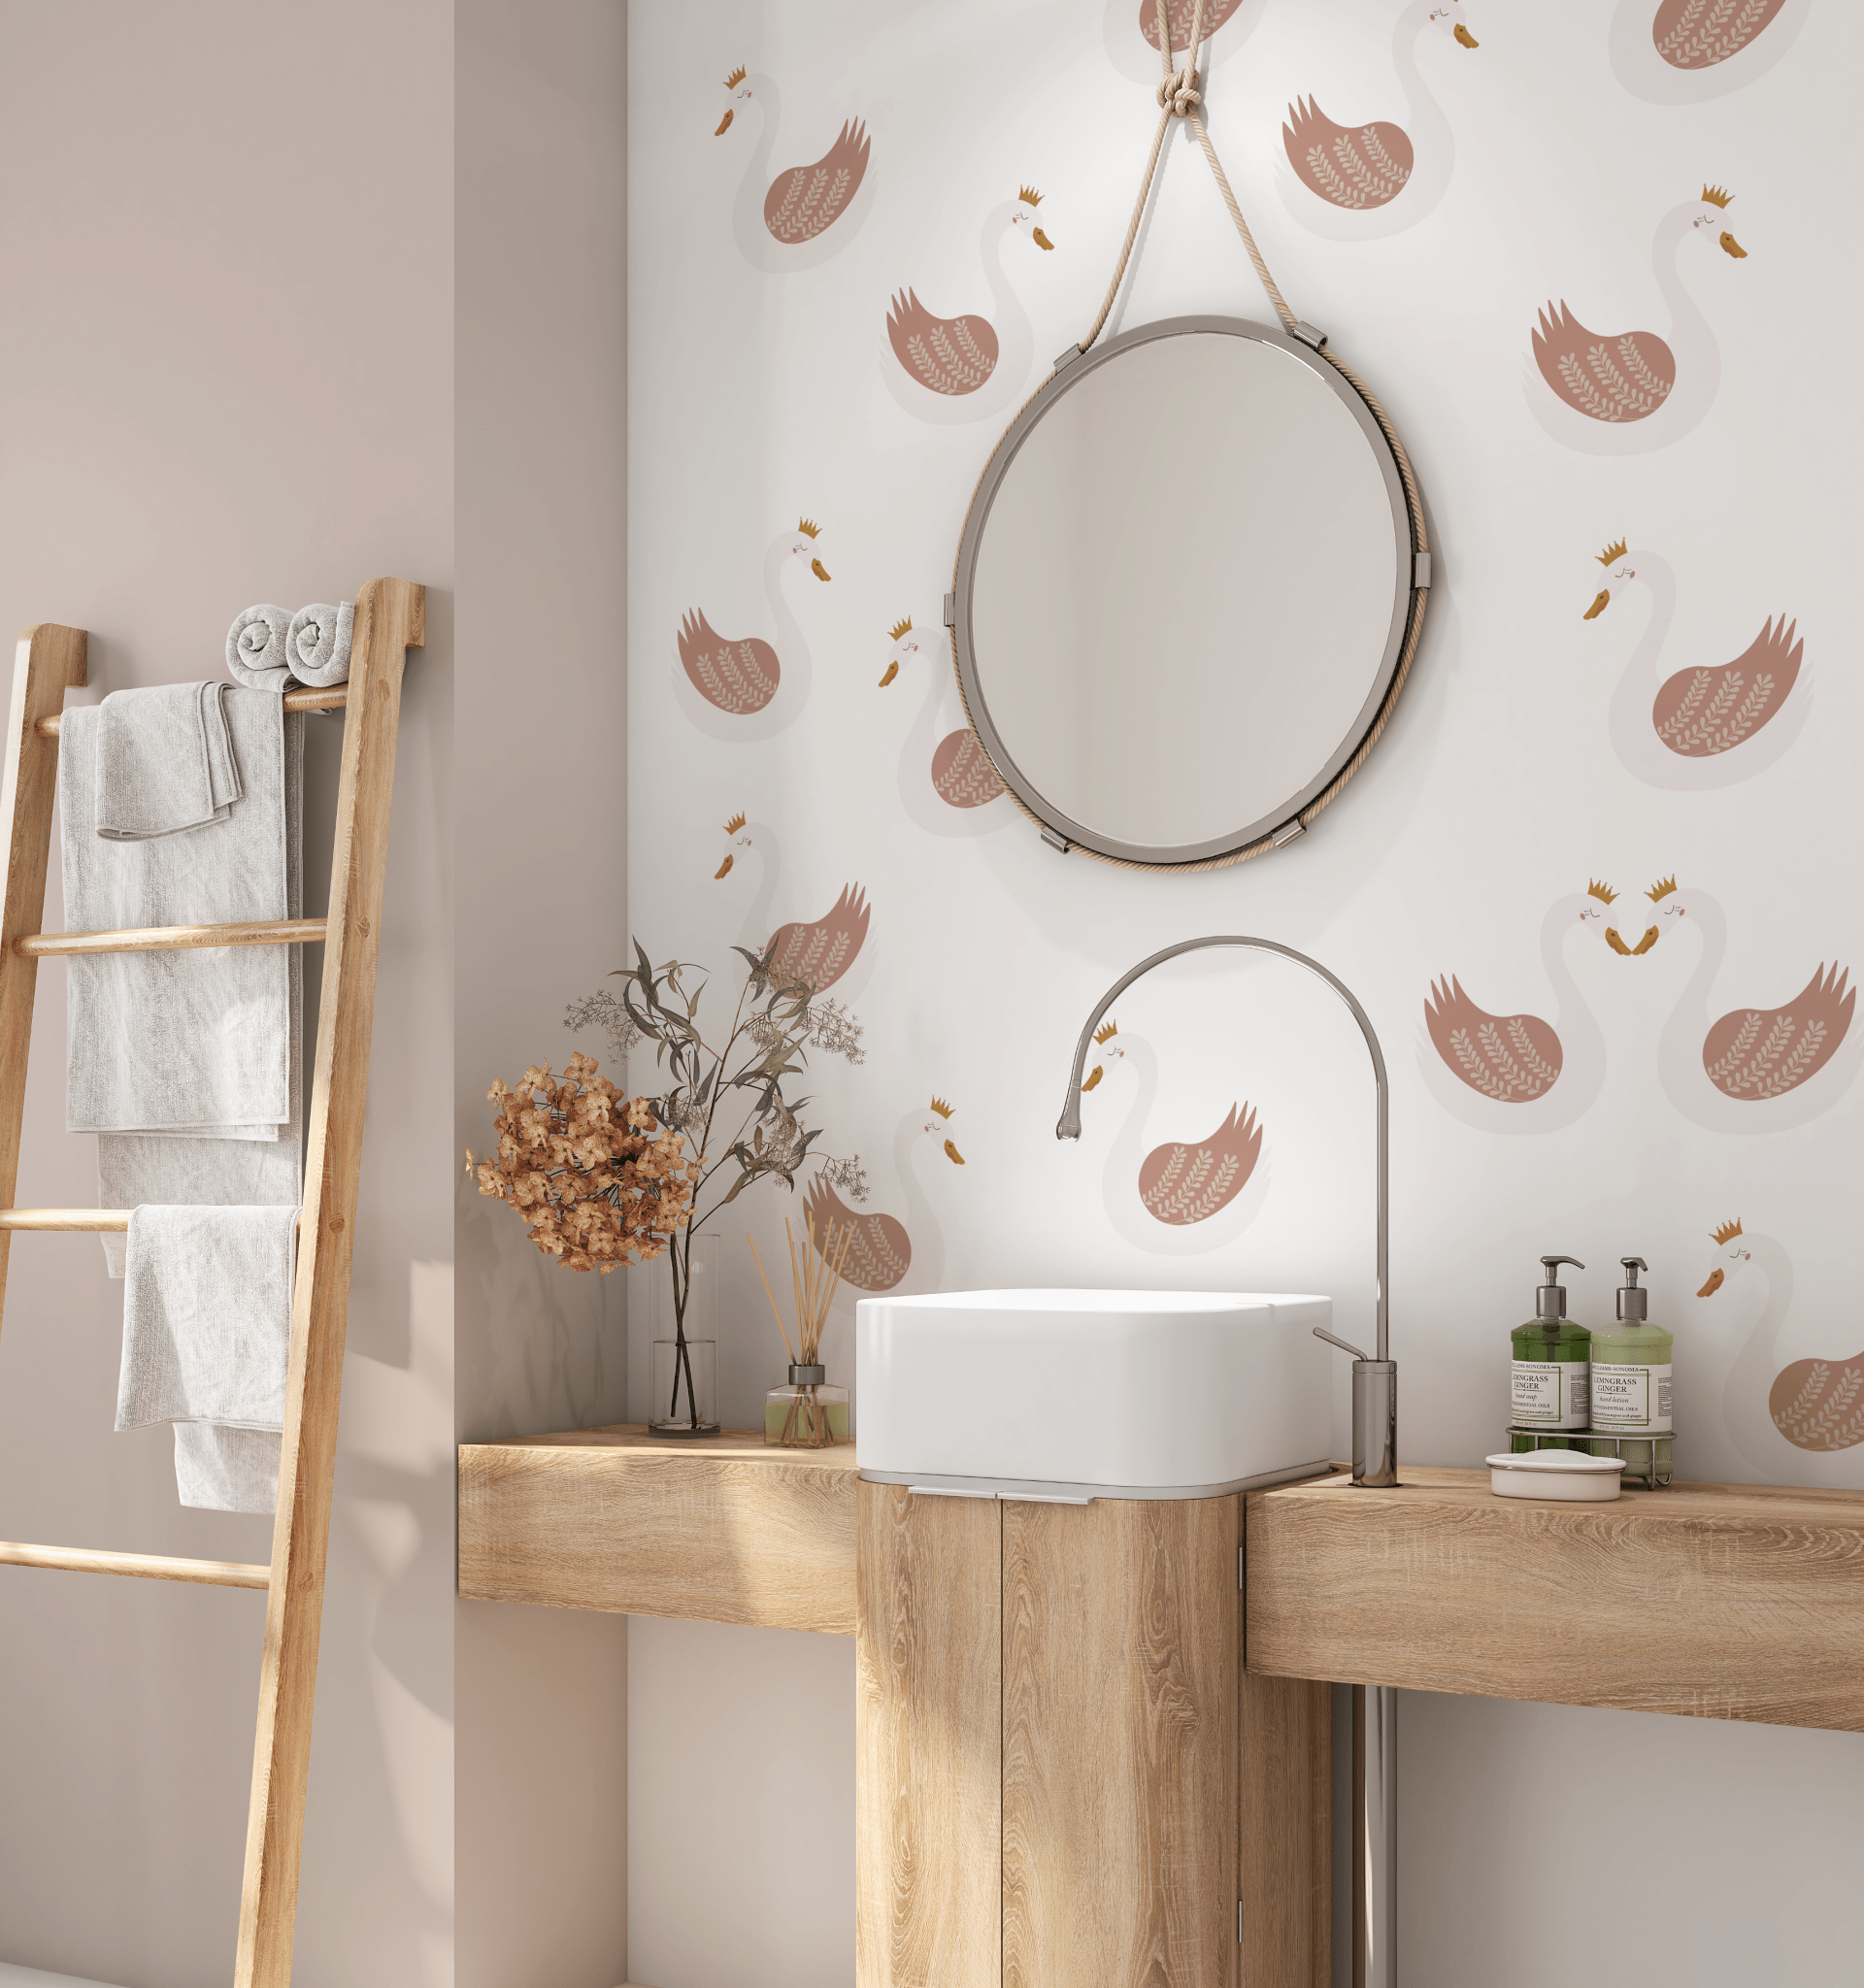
x=941 y=1108
x=1107 y=1033
x=1029 y=194
x=736 y=822
x=1664 y=886
x=809 y=528
x=1613 y=552
x=1727 y=1231
x=735 y=77
x=899 y=629
x=1602 y=891
x=1717 y=196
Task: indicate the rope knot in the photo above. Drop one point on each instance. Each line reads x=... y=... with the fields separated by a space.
x=1178 y=94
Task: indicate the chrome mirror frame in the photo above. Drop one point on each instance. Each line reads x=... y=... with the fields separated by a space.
x=1411 y=582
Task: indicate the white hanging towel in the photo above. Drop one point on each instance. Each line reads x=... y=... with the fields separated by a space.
x=207 y=1336
x=188 y=1042
x=164 y=762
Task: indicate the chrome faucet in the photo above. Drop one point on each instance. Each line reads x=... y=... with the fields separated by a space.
x=1374 y=1462
x=1375 y=1379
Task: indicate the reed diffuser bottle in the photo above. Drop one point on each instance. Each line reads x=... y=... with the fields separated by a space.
x=808 y=1411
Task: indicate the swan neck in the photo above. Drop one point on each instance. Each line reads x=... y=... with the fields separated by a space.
x=1692 y=1009
x=1686 y=321
x=758 y=925
x=770 y=103
x=921 y=1225
x=1572 y=1017
x=1132 y=1134
x=1778 y=1268
x=1661 y=581
x=789 y=628
x=1411 y=25
x=1009 y=306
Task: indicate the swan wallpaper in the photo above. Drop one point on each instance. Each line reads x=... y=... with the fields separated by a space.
x=1597 y=885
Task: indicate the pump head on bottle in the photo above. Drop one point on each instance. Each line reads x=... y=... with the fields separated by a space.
x=1550 y=1298
x=1634 y=1301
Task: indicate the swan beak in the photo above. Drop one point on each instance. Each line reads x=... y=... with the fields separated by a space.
x=1599 y=605
x=1616 y=943
x=723 y=870
x=1713 y=1284
x=952 y=1154
x=1645 y=943
x=1042 y=241
x=1100 y=1071
x=1730 y=246
x=893 y=671
x=816 y=567
x=724 y=126
x=1467 y=39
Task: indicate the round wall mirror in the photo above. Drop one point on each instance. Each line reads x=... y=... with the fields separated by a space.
x=1184 y=590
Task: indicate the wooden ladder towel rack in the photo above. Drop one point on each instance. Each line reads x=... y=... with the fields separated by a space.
x=390 y=619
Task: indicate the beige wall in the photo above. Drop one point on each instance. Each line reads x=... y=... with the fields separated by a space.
x=541 y=851
x=226 y=375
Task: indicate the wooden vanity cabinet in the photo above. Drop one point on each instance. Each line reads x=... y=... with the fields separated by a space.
x=1064 y=1776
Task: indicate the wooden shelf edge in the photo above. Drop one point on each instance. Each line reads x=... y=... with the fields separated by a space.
x=1710 y=1601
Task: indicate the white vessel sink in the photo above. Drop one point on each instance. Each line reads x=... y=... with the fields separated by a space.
x=1076 y=1394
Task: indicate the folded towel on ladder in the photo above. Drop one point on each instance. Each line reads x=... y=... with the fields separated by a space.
x=257 y=651
x=196 y=1041
x=317 y=643
x=207 y=1336
x=164 y=762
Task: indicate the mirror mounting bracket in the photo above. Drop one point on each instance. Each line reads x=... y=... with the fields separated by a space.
x=951 y=610
x=1056 y=841
x=1067 y=357
x=1286 y=833
x=1419 y=570
x=1308 y=335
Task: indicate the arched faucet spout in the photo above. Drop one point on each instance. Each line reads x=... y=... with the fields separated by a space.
x=1375 y=1457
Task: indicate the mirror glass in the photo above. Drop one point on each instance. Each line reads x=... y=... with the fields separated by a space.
x=1183 y=590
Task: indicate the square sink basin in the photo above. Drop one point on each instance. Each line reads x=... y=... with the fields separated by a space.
x=1092 y=1394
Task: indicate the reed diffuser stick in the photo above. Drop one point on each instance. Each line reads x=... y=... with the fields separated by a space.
x=772 y=1296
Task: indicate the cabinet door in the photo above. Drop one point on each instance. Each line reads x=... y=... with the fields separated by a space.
x=928 y=1764
x=1120 y=1629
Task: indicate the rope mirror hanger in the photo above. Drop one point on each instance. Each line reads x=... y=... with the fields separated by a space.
x=1180 y=95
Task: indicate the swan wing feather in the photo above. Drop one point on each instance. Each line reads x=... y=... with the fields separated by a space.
x=1511 y=1058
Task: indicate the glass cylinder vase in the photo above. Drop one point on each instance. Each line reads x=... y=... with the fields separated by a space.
x=685 y=1388
x=672 y=1409
x=808 y=1412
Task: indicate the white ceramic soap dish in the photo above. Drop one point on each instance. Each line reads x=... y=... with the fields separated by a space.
x=1563 y=1474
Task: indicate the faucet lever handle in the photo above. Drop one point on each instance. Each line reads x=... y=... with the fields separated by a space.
x=1322 y=1332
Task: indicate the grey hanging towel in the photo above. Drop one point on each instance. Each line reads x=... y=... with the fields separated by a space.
x=207 y=1337
x=192 y=1042
x=165 y=761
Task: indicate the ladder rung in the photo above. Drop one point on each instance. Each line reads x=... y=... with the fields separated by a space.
x=223 y=1573
x=66 y=1220
x=172 y=937
x=294 y=700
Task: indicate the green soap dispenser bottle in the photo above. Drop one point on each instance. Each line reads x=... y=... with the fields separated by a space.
x=1550 y=1379
x=1631 y=1378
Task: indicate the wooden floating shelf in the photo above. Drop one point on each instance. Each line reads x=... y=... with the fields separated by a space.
x=1719 y=1600
x=720 y=1529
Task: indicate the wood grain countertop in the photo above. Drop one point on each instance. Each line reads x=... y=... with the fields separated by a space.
x=720 y=1528
x=1719 y=1601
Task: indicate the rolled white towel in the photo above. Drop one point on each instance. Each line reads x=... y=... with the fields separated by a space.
x=257 y=650
x=317 y=646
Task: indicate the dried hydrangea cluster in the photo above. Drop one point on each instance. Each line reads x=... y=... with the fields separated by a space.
x=596 y=1177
